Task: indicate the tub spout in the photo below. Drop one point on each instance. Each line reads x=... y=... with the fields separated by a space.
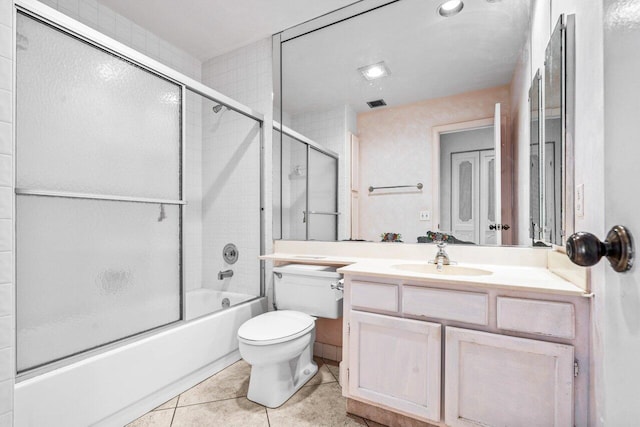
x=224 y=274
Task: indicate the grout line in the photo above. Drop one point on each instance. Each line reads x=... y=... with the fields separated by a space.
x=266 y=411
x=173 y=417
x=212 y=401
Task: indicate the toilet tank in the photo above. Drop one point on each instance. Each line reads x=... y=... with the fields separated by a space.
x=307 y=288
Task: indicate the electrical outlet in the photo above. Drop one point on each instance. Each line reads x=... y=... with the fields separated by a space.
x=425 y=215
x=580 y=200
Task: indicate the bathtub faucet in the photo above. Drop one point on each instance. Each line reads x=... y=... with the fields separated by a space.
x=224 y=274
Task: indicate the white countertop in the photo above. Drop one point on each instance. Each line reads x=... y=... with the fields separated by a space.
x=526 y=278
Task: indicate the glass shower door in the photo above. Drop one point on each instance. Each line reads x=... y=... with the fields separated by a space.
x=294 y=189
x=98 y=204
x=322 y=215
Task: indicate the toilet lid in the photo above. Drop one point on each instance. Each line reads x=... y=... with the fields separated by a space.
x=276 y=326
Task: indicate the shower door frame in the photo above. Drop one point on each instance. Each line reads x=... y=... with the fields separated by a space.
x=310 y=145
x=69 y=26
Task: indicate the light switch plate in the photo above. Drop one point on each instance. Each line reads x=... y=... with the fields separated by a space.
x=425 y=215
x=580 y=200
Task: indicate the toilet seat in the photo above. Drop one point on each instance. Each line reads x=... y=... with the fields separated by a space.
x=275 y=327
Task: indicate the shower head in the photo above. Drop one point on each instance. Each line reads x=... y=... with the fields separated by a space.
x=217 y=108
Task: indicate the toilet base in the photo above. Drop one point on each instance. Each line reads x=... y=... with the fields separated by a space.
x=273 y=384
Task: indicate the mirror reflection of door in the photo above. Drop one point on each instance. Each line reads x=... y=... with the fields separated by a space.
x=468 y=184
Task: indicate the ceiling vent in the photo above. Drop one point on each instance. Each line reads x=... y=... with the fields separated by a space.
x=376 y=103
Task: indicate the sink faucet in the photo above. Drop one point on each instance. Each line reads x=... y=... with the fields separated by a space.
x=225 y=274
x=441 y=258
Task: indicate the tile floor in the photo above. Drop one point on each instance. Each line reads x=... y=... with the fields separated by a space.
x=221 y=400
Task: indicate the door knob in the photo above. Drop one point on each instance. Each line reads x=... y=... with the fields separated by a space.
x=499 y=227
x=585 y=249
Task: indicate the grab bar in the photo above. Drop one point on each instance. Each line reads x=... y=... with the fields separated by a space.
x=323 y=213
x=418 y=186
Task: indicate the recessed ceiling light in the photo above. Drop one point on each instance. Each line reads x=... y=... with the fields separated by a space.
x=450 y=8
x=374 y=71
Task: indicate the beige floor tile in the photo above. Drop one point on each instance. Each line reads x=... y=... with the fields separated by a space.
x=374 y=424
x=335 y=370
x=228 y=413
x=319 y=405
x=160 y=418
x=169 y=404
x=322 y=376
x=229 y=383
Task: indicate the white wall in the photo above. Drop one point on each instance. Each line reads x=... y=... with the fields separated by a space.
x=520 y=117
x=589 y=154
x=245 y=75
x=100 y=17
x=193 y=193
x=7 y=305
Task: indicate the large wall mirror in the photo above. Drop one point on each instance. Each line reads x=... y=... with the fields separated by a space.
x=421 y=109
x=552 y=109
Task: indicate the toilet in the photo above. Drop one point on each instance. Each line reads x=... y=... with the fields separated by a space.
x=279 y=344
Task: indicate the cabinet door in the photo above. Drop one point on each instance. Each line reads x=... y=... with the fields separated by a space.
x=497 y=380
x=396 y=362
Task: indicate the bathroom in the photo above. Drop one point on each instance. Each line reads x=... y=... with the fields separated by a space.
x=231 y=182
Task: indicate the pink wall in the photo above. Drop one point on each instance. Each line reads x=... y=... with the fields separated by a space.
x=395 y=149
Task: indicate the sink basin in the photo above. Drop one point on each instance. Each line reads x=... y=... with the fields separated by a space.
x=448 y=270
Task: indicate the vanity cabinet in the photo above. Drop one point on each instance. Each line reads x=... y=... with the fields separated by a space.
x=498 y=380
x=480 y=356
x=396 y=362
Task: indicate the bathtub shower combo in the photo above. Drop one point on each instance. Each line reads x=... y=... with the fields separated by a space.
x=131 y=181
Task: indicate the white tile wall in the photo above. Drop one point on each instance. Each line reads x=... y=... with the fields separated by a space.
x=193 y=182
x=245 y=75
x=7 y=330
x=102 y=18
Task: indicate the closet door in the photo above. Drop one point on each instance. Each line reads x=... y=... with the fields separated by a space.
x=488 y=206
x=465 y=189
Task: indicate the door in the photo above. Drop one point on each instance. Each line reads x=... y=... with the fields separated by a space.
x=488 y=199
x=465 y=194
x=473 y=197
x=497 y=138
x=396 y=362
x=322 y=196
x=355 y=186
x=498 y=380
x=617 y=302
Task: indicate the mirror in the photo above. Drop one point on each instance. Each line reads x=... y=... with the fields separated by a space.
x=444 y=84
x=535 y=183
x=556 y=157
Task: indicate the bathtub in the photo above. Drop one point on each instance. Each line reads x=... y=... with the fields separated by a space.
x=116 y=386
x=203 y=301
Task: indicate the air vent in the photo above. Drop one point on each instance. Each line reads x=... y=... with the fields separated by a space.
x=376 y=103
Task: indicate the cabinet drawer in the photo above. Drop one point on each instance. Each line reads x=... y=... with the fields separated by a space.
x=374 y=296
x=468 y=307
x=549 y=318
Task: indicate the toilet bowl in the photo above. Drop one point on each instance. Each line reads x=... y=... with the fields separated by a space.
x=279 y=347
x=279 y=344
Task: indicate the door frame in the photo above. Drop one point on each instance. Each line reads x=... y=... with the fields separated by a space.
x=436 y=131
x=506 y=177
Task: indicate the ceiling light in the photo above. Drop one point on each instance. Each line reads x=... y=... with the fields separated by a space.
x=374 y=71
x=450 y=8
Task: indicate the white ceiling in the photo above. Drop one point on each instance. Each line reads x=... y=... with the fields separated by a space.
x=207 y=28
x=429 y=56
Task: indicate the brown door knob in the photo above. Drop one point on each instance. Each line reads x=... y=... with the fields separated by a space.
x=585 y=249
